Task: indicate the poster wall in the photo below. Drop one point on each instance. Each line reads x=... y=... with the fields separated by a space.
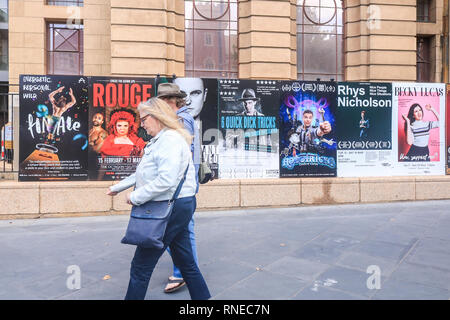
x=364 y=115
x=115 y=140
x=53 y=128
x=202 y=104
x=448 y=129
x=248 y=123
x=418 y=123
x=79 y=128
x=307 y=129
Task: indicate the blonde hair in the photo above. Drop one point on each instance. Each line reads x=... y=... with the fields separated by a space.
x=161 y=111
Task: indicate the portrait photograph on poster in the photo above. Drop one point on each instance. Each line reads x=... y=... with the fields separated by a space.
x=53 y=128
x=202 y=103
x=248 y=124
x=419 y=124
x=116 y=142
x=307 y=129
x=364 y=114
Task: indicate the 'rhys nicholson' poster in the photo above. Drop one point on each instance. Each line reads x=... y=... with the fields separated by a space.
x=365 y=129
x=53 y=128
x=419 y=122
x=116 y=140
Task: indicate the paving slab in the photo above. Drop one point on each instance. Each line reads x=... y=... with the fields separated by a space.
x=306 y=252
x=404 y=290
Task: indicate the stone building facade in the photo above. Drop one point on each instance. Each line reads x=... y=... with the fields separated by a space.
x=367 y=40
x=146 y=38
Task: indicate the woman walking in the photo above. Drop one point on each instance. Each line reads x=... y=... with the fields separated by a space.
x=165 y=159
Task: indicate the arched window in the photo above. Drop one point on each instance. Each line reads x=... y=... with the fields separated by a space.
x=320 y=40
x=209 y=64
x=211 y=32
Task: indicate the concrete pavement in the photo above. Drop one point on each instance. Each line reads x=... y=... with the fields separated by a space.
x=309 y=252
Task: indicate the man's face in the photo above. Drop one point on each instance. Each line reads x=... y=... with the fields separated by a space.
x=171 y=101
x=196 y=93
x=250 y=106
x=307 y=119
x=97 y=120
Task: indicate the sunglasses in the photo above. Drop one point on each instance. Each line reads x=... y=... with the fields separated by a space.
x=143 y=119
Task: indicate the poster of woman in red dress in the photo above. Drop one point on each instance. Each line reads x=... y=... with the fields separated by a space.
x=122 y=139
x=115 y=142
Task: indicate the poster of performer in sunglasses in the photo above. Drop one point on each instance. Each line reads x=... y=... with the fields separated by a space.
x=364 y=114
x=248 y=123
x=307 y=129
x=53 y=128
x=115 y=145
x=420 y=128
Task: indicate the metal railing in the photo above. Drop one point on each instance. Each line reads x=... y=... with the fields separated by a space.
x=76 y=3
x=8 y=102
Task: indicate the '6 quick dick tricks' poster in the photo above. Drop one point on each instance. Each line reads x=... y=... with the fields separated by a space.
x=248 y=125
x=307 y=129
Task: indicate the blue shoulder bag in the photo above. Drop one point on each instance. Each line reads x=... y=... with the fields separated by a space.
x=148 y=221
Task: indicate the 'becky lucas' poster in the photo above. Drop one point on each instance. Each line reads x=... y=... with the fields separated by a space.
x=447 y=123
x=419 y=126
x=116 y=140
x=364 y=114
x=307 y=129
x=248 y=125
x=53 y=128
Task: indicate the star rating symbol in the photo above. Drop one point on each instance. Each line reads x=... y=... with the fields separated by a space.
x=226 y=93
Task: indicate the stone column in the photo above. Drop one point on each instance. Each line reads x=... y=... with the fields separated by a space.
x=434 y=29
x=97 y=37
x=27 y=45
x=380 y=40
x=147 y=37
x=267 y=39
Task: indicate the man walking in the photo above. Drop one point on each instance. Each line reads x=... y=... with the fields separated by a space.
x=171 y=94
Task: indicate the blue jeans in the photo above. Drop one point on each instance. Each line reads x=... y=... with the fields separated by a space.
x=176 y=270
x=177 y=238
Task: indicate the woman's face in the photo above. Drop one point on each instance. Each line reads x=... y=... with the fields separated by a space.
x=151 y=125
x=122 y=128
x=418 y=113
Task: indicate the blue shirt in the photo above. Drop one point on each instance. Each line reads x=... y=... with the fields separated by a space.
x=189 y=125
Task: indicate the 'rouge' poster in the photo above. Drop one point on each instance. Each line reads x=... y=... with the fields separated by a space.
x=115 y=140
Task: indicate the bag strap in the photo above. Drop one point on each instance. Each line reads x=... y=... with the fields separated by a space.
x=180 y=185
